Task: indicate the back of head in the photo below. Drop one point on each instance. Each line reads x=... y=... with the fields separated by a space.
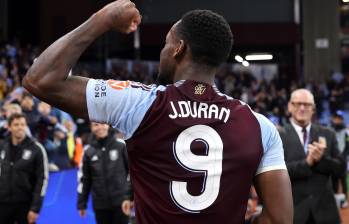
x=208 y=35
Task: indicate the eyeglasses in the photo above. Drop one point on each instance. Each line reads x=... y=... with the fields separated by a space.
x=299 y=104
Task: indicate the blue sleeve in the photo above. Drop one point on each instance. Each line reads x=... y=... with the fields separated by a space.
x=122 y=104
x=273 y=151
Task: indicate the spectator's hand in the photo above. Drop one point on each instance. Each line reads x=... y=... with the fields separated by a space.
x=310 y=159
x=32 y=217
x=320 y=149
x=316 y=151
x=121 y=15
x=82 y=212
x=126 y=207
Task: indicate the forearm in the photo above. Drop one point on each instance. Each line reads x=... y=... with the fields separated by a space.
x=36 y=204
x=260 y=219
x=274 y=191
x=84 y=189
x=264 y=218
x=54 y=63
x=82 y=201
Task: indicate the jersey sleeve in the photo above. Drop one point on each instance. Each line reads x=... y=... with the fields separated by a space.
x=273 y=152
x=122 y=104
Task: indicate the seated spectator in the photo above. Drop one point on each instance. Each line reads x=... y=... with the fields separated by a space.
x=30 y=111
x=61 y=157
x=45 y=126
x=53 y=136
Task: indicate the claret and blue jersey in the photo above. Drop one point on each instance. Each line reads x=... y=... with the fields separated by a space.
x=193 y=151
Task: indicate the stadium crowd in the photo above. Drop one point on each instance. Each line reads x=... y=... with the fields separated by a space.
x=61 y=133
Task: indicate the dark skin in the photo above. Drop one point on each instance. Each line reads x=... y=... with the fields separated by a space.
x=274 y=190
x=48 y=76
x=48 y=80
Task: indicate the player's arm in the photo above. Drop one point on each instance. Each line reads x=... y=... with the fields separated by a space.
x=48 y=78
x=274 y=190
x=272 y=181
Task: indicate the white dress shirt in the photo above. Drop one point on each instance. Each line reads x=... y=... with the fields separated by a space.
x=300 y=133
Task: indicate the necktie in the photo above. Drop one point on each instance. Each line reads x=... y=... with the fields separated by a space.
x=304 y=130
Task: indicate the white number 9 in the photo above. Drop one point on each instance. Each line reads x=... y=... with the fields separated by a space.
x=210 y=165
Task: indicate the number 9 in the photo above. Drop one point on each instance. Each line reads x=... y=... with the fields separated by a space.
x=210 y=165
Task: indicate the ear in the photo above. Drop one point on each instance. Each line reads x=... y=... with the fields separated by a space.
x=180 y=49
x=313 y=109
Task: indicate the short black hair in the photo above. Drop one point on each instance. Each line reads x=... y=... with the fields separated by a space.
x=14 y=117
x=208 y=35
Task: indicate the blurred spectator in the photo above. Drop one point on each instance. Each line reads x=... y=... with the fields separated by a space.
x=342 y=135
x=7 y=111
x=30 y=111
x=60 y=156
x=104 y=172
x=45 y=126
x=70 y=139
x=53 y=136
x=3 y=87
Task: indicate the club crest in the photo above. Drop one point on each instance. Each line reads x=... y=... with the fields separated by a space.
x=26 y=154
x=200 y=89
x=113 y=155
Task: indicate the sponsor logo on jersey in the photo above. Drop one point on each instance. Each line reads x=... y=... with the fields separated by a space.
x=118 y=85
x=200 y=89
x=100 y=89
x=113 y=155
x=26 y=154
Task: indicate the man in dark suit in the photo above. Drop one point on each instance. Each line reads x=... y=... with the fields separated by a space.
x=312 y=157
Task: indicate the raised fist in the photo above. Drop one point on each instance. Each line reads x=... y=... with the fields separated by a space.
x=121 y=15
